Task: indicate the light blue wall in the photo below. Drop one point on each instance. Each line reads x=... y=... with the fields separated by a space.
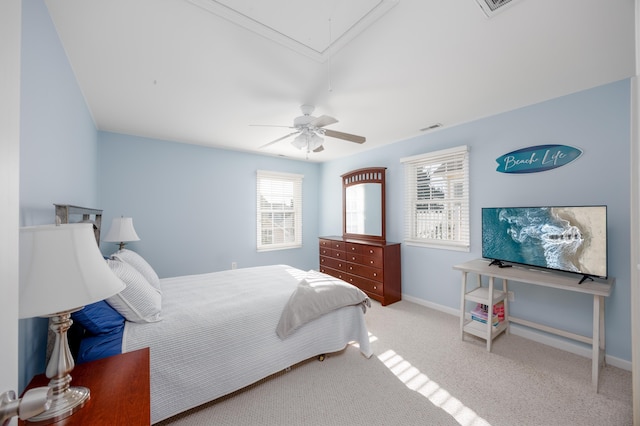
x=194 y=208
x=597 y=121
x=58 y=149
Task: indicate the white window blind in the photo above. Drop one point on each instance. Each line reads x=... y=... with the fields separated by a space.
x=279 y=210
x=437 y=199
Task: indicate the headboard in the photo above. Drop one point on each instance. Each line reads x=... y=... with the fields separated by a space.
x=64 y=211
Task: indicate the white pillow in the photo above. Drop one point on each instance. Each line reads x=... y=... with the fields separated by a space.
x=139 y=301
x=141 y=265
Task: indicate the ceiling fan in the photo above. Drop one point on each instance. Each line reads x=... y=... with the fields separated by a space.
x=310 y=130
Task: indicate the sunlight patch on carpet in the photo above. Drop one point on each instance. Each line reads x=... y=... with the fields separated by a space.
x=419 y=382
x=372 y=339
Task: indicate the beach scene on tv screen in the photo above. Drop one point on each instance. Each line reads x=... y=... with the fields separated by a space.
x=564 y=238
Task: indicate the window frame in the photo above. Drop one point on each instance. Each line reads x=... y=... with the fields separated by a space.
x=444 y=206
x=295 y=180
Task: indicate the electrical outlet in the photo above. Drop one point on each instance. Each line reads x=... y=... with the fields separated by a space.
x=511 y=296
x=234 y=265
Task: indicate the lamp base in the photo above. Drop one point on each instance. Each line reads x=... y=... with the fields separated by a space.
x=63 y=405
x=66 y=399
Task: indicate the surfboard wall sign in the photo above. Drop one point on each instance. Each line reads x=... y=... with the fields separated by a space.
x=539 y=158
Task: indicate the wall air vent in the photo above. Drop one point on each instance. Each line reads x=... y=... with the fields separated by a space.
x=491 y=7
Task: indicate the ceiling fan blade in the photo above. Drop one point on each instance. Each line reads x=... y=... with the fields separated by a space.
x=277 y=140
x=323 y=120
x=346 y=136
x=270 y=125
x=319 y=149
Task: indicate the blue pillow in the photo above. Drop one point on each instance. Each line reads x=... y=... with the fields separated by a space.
x=98 y=318
x=101 y=346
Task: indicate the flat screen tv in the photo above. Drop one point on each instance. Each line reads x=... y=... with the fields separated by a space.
x=569 y=239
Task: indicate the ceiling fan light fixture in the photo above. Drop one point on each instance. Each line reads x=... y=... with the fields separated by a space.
x=315 y=142
x=300 y=141
x=307 y=140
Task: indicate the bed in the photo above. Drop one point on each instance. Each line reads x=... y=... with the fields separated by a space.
x=212 y=334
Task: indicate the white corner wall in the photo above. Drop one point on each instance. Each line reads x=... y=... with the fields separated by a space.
x=635 y=227
x=10 y=27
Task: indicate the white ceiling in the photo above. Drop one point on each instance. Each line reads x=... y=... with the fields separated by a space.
x=204 y=71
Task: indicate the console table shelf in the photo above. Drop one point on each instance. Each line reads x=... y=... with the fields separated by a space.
x=480 y=330
x=481 y=295
x=487 y=295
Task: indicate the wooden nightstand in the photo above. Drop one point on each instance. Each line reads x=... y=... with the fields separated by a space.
x=120 y=391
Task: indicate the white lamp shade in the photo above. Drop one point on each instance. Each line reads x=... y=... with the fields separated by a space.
x=62 y=268
x=121 y=230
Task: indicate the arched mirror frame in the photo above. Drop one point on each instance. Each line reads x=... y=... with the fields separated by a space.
x=374 y=175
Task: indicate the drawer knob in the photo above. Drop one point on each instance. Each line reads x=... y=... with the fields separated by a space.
x=340 y=265
x=375 y=274
x=375 y=287
x=371 y=262
x=371 y=251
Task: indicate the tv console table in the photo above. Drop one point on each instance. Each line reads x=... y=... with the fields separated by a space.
x=490 y=296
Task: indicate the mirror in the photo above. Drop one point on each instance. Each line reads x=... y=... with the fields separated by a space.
x=363 y=204
x=363 y=215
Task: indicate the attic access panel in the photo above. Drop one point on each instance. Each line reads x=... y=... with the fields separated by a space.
x=490 y=7
x=310 y=27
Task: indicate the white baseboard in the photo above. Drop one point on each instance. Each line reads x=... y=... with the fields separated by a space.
x=531 y=334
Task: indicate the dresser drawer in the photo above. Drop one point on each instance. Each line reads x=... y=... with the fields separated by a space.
x=365 y=250
x=368 y=272
x=372 y=251
x=354 y=248
x=335 y=254
x=334 y=263
x=333 y=272
x=365 y=285
x=374 y=262
x=333 y=244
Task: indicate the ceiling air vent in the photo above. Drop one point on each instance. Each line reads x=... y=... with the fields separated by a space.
x=491 y=7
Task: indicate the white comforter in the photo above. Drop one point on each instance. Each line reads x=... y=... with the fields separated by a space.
x=218 y=335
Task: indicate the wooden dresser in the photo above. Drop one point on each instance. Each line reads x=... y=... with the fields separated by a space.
x=373 y=267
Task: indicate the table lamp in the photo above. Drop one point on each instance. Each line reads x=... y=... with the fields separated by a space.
x=121 y=231
x=61 y=271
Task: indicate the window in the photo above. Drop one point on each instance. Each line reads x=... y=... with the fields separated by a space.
x=437 y=199
x=279 y=213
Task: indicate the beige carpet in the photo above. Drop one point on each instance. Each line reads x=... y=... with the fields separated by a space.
x=423 y=374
